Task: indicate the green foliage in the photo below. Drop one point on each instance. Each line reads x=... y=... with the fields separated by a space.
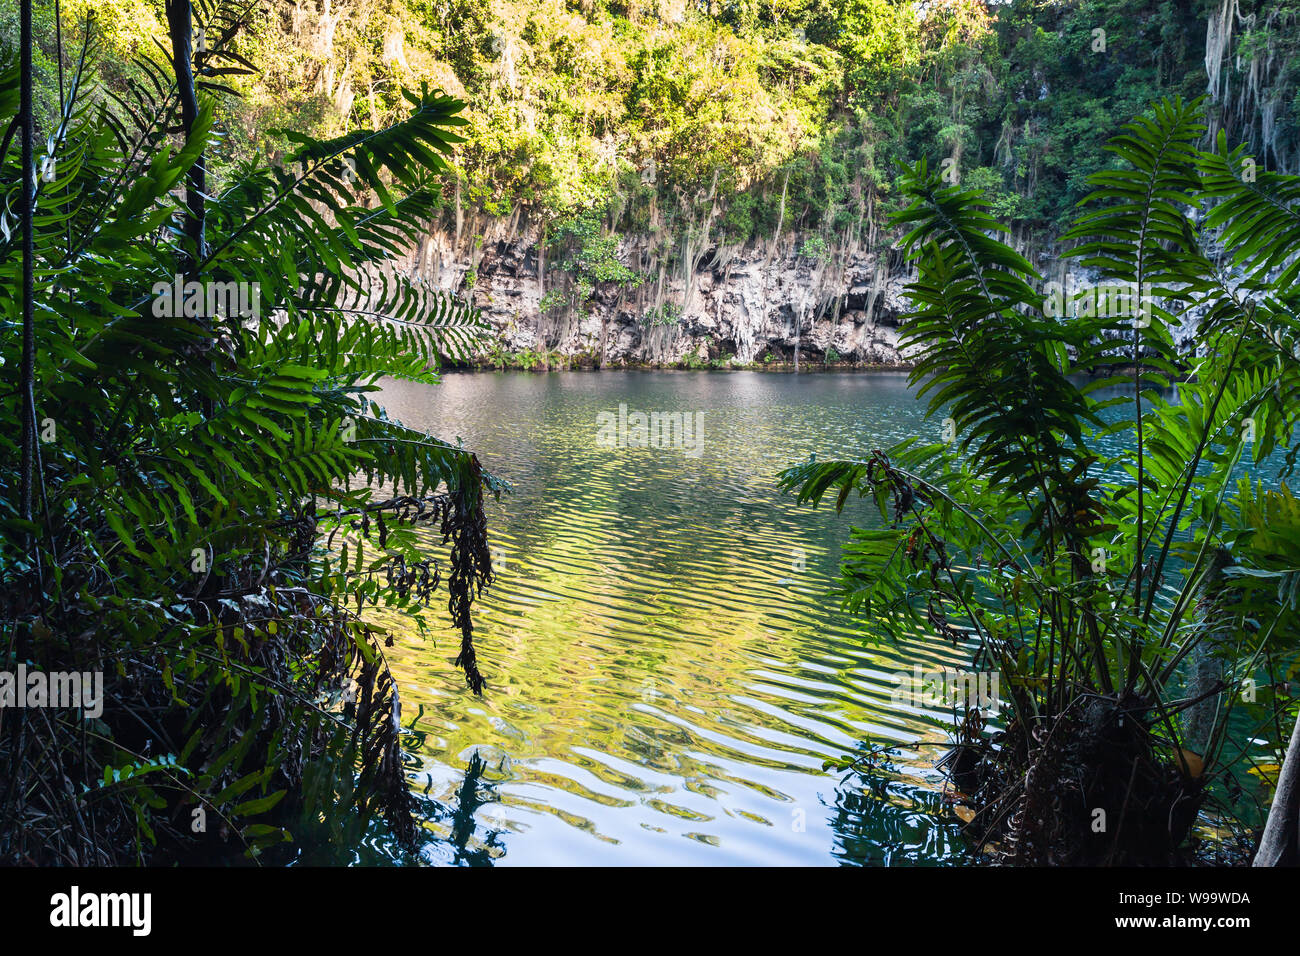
x=814 y=247
x=809 y=113
x=1087 y=544
x=590 y=256
x=209 y=524
x=670 y=313
x=552 y=300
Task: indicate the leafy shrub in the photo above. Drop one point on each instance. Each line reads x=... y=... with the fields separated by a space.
x=1098 y=552
x=201 y=517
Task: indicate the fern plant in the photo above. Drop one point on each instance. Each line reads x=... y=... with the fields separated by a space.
x=219 y=496
x=1090 y=538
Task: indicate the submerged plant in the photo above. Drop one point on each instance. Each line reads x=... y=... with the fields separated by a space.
x=1095 y=541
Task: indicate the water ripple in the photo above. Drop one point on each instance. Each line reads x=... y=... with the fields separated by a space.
x=666 y=669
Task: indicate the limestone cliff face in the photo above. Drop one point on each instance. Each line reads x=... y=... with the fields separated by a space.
x=748 y=302
x=757 y=304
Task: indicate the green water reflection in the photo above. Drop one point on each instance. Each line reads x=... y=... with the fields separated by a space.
x=666 y=671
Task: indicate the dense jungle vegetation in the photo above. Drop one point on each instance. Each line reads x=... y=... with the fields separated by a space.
x=206 y=498
x=1116 y=558
x=679 y=126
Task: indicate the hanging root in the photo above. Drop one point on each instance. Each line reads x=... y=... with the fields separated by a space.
x=465 y=526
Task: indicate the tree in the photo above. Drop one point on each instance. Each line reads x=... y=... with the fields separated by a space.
x=207 y=524
x=1089 y=545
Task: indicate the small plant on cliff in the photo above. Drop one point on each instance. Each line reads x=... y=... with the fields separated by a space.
x=497 y=355
x=814 y=247
x=1096 y=550
x=551 y=301
x=669 y=313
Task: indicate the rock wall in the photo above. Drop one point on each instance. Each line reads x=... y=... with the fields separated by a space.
x=749 y=302
x=757 y=303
